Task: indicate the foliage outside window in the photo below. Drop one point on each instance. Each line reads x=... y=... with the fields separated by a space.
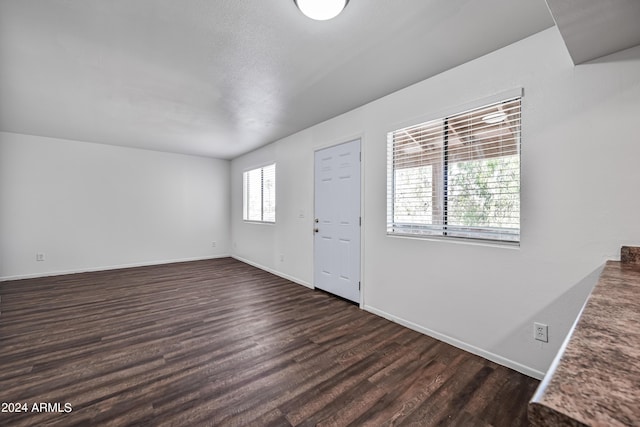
x=457 y=176
x=259 y=194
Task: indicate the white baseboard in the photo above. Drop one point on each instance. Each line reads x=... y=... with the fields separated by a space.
x=108 y=267
x=272 y=271
x=534 y=373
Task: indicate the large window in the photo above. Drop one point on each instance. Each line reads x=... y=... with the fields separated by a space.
x=458 y=176
x=259 y=194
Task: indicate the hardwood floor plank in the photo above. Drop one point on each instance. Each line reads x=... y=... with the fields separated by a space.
x=336 y=389
x=404 y=397
x=218 y=342
x=452 y=397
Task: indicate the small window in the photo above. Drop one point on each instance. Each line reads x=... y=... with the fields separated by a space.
x=458 y=176
x=259 y=194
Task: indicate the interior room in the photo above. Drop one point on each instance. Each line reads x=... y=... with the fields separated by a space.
x=231 y=213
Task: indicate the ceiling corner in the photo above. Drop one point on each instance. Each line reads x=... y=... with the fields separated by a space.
x=586 y=26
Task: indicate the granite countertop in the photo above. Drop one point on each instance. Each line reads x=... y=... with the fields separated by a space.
x=595 y=380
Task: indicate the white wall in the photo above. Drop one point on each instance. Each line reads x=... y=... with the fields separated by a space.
x=91 y=206
x=264 y=245
x=580 y=203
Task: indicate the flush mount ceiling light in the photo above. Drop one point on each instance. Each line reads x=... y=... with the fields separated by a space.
x=494 y=117
x=321 y=10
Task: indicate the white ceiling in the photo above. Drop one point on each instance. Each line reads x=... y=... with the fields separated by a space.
x=595 y=28
x=222 y=77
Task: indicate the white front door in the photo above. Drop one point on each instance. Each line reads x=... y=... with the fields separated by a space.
x=337 y=220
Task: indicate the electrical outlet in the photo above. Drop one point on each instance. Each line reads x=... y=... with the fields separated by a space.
x=39 y=256
x=541 y=332
x=281 y=257
x=213 y=244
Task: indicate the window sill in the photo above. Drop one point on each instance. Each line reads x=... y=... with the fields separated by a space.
x=246 y=221
x=458 y=240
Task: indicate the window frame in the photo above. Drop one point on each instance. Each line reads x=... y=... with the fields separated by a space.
x=437 y=231
x=246 y=208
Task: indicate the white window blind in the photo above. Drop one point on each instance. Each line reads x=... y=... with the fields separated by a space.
x=458 y=176
x=259 y=194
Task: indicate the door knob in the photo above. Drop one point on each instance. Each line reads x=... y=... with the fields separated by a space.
x=316 y=230
x=317 y=220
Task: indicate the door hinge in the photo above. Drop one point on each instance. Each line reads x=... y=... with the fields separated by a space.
x=359 y=283
x=360 y=221
x=360 y=155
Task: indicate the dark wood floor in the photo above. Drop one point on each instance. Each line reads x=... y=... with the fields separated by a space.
x=221 y=343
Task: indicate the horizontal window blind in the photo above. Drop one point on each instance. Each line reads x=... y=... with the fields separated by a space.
x=457 y=176
x=259 y=194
